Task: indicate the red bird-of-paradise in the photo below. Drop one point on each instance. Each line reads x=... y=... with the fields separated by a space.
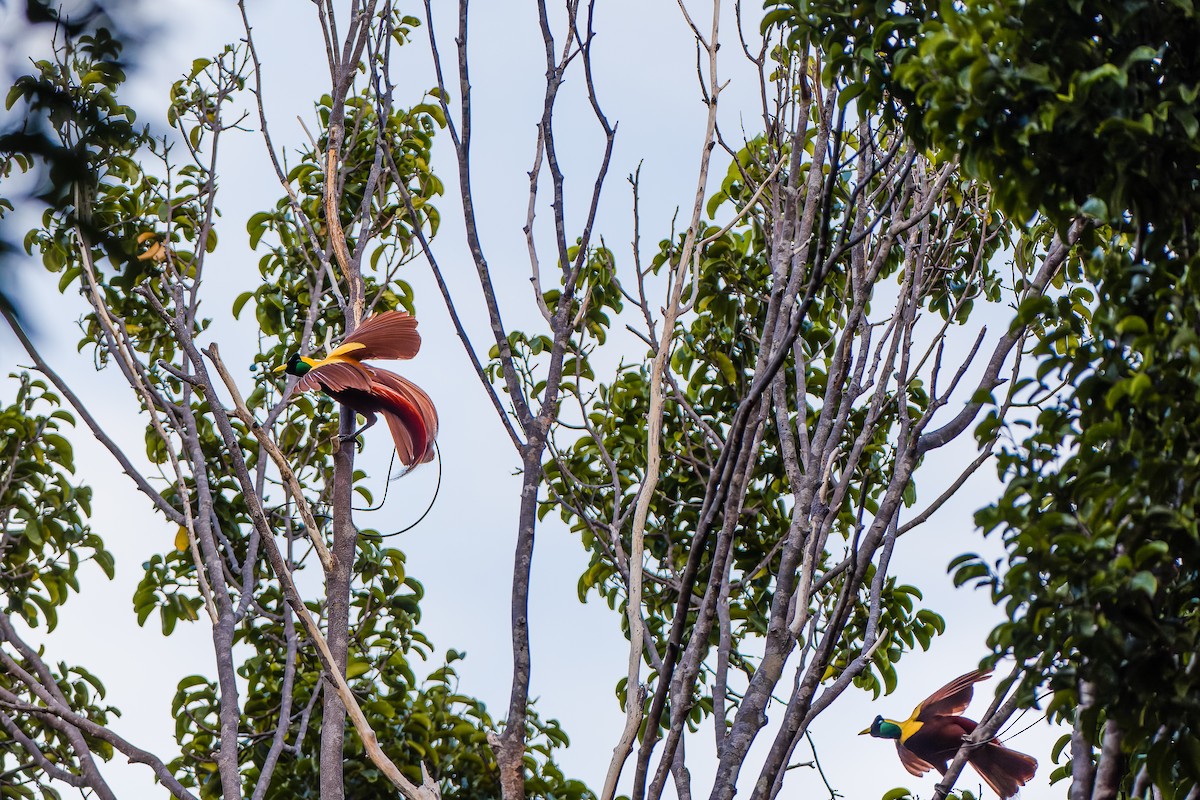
x=369 y=390
x=931 y=736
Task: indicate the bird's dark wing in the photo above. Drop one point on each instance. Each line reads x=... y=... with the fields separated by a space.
x=410 y=415
x=952 y=699
x=390 y=335
x=912 y=762
x=936 y=741
x=335 y=377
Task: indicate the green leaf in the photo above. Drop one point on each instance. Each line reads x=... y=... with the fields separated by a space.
x=1189 y=747
x=189 y=681
x=1096 y=208
x=725 y=365
x=106 y=562
x=849 y=93
x=1132 y=325
x=68 y=277
x=15 y=92
x=198 y=66
x=240 y=302
x=1139 y=385
x=1145 y=582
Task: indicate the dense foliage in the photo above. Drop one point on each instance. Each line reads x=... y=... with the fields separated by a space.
x=1068 y=109
x=1099 y=515
x=1036 y=96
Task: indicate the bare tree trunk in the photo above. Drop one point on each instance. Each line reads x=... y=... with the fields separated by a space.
x=337 y=609
x=342 y=67
x=563 y=322
x=1083 y=771
x=1099 y=780
x=1109 y=770
x=510 y=744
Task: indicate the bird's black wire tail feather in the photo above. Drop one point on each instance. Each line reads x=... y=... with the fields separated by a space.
x=436 y=490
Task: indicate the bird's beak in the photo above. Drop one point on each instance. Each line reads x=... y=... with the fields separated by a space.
x=280 y=368
x=864 y=733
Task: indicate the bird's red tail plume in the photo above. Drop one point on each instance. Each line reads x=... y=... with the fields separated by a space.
x=1006 y=771
x=410 y=416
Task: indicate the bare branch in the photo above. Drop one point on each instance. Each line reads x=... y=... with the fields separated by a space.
x=295 y=490
x=53 y=705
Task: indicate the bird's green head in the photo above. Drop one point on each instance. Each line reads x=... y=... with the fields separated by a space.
x=297 y=365
x=882 y=729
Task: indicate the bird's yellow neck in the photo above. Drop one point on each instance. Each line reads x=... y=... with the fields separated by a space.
x=908 y=727
x=340 y=355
